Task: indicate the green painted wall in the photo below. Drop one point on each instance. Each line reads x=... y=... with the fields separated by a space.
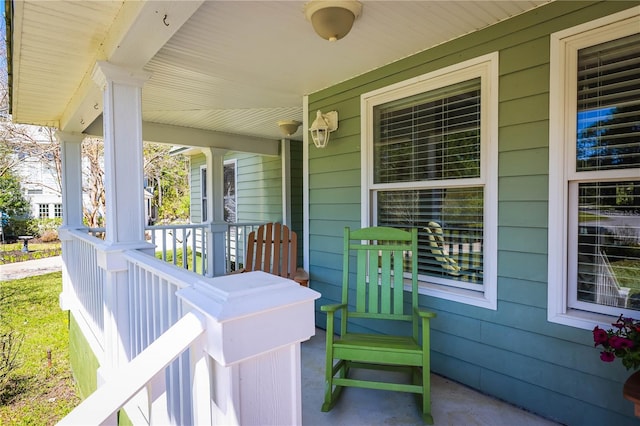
x=297 y=194
x=513 y=353
x=259 y=187
x=84 y=364
x=196 y=161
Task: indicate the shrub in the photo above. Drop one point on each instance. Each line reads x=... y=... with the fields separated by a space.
x=10 y=343
x=49 y=236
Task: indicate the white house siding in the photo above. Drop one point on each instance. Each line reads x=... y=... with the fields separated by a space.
x=513 y=353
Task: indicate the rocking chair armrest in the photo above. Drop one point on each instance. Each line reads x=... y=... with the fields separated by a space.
x=301 y=277
x=424 y=314
x=333 y=308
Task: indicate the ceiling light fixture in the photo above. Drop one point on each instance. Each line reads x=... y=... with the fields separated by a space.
x=288 y=127
x=332 y=19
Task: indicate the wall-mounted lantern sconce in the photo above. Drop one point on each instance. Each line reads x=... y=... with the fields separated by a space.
x=322 y=127
x=288 y=127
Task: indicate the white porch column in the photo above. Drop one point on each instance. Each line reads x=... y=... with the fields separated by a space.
x=123 y=162
x=285 y=155
x=216 y=243
x=71 y=155
x=125 y=218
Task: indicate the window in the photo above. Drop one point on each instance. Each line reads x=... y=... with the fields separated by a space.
x=594 y=172
x=43 y=211
x=203 y=192
x=229 y=182
x=230 y=191
x=57 y=210
x=429 y=161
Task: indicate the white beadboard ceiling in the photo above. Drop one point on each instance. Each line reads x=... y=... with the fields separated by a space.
x=233 y=66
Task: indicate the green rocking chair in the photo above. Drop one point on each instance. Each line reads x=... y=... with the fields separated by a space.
x=385 y=258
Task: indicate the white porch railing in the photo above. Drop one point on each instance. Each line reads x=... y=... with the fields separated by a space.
x=168 y=336
x=83 y=285
x=185 y=245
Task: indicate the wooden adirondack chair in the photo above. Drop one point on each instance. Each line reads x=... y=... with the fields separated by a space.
x=273 y=248
x=385 y=258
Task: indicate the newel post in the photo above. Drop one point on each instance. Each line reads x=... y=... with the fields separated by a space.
x=255 y=323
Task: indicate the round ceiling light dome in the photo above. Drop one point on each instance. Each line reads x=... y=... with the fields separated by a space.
x=332 y=19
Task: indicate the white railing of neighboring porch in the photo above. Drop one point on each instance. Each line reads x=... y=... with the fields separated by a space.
x=156 y=315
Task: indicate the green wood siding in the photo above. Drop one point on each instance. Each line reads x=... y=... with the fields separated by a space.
x=296 y=195
x=196 y=162
x=513 y=353
x=259 y=187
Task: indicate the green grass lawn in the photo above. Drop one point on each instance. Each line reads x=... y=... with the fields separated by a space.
x=39 y=391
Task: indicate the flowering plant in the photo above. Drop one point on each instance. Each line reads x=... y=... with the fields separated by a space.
x=622 y=341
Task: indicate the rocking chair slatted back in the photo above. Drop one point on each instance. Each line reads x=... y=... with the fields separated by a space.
x=272 y=248
x=380 y=279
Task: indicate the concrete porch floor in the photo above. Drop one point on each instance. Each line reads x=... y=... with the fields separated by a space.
x=452 y=403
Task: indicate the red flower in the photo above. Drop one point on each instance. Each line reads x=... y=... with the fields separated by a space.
x=617 y=342
x=607 y=356
x=600 y=336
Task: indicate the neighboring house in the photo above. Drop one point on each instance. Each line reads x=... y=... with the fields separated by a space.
x=520 y=139
x=40 y=184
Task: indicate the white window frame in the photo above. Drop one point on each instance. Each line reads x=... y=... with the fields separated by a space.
x=562 y=163
x=233 y=161
x=203 y=195
x=486 y=68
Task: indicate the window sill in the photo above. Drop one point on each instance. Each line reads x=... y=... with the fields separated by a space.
x=469 y=297
x=582 y=319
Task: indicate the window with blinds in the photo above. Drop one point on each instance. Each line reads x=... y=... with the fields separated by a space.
x=423 y=145
x=607 y=188
x=432 y=136
x=608 y=105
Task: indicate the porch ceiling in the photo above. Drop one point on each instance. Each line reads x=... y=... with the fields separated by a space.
x=221 y=66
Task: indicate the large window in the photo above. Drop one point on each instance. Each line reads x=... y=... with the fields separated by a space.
x=594 y=222
x=427 y=163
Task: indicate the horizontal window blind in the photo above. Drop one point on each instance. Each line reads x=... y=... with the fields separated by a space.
x=609 y=243
x=455 y=250
x=608 y=105
x=431 y=136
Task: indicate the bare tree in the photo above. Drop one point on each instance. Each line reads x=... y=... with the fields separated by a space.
x=93 y=178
